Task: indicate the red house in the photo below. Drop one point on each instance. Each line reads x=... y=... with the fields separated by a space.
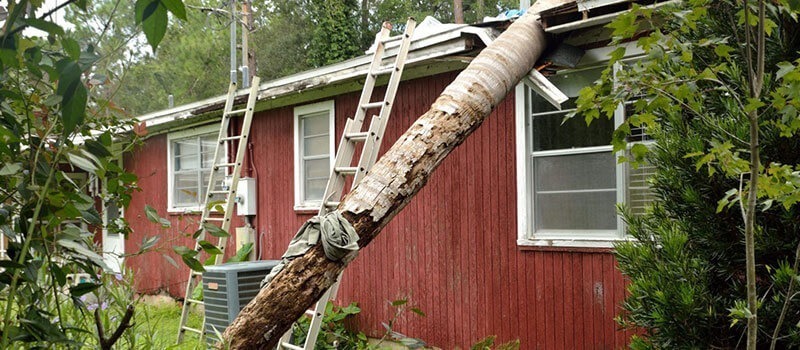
x=512 y=236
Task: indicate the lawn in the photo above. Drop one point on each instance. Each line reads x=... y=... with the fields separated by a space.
x=157 y=327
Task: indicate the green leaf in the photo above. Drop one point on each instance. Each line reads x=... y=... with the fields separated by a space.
x=72 y=48
x=152 y=216
x=242 y=253
x=81 y=162
x=96 y=148
x=784 y=68
x=83 y=288
x=8 y=264
x=417 y=311
x=215 y=230
x=193 y=264
x=10 y=169
x=47 y=26
x=91 y=216
x=83 y=250
x=209 y=247
x=176 y=7
x=184 y=251
x=723 y=51
x=74 y=95
x=399 y=302
x=149 y=242
x=170 y=260
x=753 y=104
x=153 y=16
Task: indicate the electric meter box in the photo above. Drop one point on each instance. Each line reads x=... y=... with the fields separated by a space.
x=246 y=197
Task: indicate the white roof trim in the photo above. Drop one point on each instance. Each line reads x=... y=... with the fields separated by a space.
x=421 y=49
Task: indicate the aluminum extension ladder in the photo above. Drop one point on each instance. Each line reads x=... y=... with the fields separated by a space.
x=342 y=166
x=212 y=219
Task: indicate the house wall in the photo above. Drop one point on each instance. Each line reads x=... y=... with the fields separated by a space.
x=451 y=252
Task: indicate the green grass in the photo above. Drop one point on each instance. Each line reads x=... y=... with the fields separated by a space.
x=157 y=327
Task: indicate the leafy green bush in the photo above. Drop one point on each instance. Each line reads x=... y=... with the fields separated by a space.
x=334 y=334
x=686 y=266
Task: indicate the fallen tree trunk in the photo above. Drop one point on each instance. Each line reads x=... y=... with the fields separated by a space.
x=394 y=180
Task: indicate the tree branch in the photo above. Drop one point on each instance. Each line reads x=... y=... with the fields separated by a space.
x=789 y=296
x=125 y=323
x=45 y=15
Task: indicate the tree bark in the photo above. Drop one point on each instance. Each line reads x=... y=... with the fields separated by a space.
x=394 y=180
x=458 y=11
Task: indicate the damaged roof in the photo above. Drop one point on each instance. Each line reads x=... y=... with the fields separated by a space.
x=435 y=48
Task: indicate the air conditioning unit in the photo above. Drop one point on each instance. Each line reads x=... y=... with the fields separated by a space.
x=227 y=288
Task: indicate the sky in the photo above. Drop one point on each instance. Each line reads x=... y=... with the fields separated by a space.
x=57 y=17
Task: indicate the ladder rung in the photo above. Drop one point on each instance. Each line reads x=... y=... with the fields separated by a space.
x=237 y=111
x=190 y=329
x=374 y=105
x=357 y=136
x=384 y=71
x=215 y=219
x=219 y=192
x=332 y=204
x=224 y=165
x=310 y=313
x=196 y=273
x=347 y=170
x=195 y=301
x=230 y=138
x=291 y=346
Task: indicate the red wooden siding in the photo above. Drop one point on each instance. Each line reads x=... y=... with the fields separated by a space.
x=452 y=252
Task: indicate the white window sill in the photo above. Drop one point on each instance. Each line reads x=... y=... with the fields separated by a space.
x=307 y=208
x=187 y=210
x=565 y=242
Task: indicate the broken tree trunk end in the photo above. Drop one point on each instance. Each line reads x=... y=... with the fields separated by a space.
x=394 y=180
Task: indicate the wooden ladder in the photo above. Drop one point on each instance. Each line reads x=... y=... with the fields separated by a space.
x=353 y=134
x=212 y=220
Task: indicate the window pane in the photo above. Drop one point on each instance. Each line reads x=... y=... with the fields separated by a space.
x=576 y=211
x=314 y=189
x=315 y=124
x=316 y=168
x=316 y=145
x=187 y=162
x=208 y=144
x=217 y=186
x=185 y=189
x=185 y=146
x=549 y=133
x=575 y=172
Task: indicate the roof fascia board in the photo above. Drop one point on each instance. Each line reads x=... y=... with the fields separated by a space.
x=603 y=19
x=431 y=47
x=438 y=66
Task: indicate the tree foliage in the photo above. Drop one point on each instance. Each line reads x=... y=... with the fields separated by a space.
x=61 y=138
x=692 y=92
x=288 y=36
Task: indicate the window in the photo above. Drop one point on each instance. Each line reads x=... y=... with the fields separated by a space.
x=190 y=160
x=313 y=125
x=569 y=179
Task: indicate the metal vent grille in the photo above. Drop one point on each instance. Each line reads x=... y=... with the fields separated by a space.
x=227 y=289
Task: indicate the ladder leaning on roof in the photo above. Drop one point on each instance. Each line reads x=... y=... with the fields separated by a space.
x=342 y=166
x=211 y=220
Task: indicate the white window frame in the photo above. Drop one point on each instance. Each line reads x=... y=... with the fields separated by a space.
x=174 y=136
x=300 y=204
x=524 y=173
